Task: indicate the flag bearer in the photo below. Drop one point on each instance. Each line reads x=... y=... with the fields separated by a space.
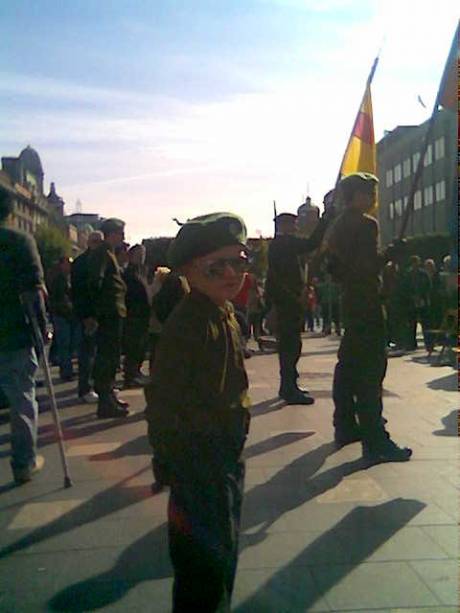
x=362 y=360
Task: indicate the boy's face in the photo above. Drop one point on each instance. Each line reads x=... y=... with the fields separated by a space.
x=364 y=200
x=219 y=274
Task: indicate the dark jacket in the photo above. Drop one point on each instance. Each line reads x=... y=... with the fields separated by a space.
x=106 y=288
x=60 y=300
x=79 y=286
x=137 y=302
x=197 y=403
x=20 y=271
x=171 y=293
x=285 y=280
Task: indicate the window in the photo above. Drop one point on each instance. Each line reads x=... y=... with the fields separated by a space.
x=418 y=200
x=440 y=189
x=415 y=160
x=406 y=168
x=428 y=195
x=405 y=201
x=391 y=210
x=389 y=178
x=439 y=148
x=397 y=173
x=427 y=160
x=398 y=207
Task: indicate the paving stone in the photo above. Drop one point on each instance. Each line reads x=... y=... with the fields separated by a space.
x=320 y=533
x=372 y=585
x=441 y=577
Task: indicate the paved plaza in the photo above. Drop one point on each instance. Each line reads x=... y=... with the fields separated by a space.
x=320 y=531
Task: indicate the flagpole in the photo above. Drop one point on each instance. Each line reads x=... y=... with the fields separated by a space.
x=368 y=82
x=429 y=131
x=274 y=218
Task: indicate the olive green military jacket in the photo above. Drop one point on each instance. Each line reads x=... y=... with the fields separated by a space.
x=353 y=243
x=198 y=399
x=106 y=289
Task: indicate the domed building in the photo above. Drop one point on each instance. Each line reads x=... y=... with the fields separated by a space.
x=23 y=176
x=308 y=216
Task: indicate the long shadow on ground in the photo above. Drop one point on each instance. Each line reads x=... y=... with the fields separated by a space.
x=73 y=428
x=140 y=446
x=135 y=564
x=451 y=425
x=449 y=383
x=292 y=586
x=117 y=497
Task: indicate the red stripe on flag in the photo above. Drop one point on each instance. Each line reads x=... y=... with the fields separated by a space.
x=364 y=128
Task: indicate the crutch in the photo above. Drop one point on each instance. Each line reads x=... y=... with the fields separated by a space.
x=28 y=303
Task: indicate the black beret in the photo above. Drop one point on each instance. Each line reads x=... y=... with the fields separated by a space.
x=205 y=234
x=112 y=224
x=285 y=217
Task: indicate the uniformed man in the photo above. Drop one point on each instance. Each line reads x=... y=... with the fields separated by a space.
x=362 y=360
x=106 y=310
x=80 y=300
x=198 y=413
x=284 y=288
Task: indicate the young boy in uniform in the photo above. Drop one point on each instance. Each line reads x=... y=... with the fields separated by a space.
x=197 y=413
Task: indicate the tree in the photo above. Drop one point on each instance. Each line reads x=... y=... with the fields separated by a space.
x=52 y=244
x=259 y=257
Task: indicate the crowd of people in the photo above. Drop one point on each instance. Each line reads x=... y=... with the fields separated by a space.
x=193 y=321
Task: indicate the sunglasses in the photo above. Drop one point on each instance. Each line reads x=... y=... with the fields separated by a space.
x=217 y=268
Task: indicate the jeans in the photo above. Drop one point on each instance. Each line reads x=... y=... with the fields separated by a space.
x=17 y=379
x=66 y=337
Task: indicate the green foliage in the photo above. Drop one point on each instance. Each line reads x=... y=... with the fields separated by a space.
x=52 y=244
x=259 y=257
x=434 y=246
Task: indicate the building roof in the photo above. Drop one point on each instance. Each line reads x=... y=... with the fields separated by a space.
x=31 y=160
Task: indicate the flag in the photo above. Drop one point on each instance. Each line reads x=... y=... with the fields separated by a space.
x=448 y=90
x=360 y=154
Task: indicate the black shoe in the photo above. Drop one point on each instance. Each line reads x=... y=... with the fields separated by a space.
x=387 y=451
x=342 y=439
x=109 y=411
x=157 y=487
x=296 y=397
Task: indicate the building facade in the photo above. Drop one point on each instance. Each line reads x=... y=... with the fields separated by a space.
x=436 y=198
x=22 y=178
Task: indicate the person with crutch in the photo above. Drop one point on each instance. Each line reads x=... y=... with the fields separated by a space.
x=21 y=273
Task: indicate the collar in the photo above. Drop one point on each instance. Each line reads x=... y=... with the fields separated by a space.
x=210 y=308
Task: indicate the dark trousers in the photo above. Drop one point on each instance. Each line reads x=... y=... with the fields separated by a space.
x=86 y=356
x=309 y=320
x=331 y=315
x=108 y=346
x=203 y=523
x=358 y=378
x=135 y=343
x=153 y=339
x=290 y=320
x=422 y=316
x=66 y=331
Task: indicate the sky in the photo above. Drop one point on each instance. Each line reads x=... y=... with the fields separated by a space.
x=152 y=109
